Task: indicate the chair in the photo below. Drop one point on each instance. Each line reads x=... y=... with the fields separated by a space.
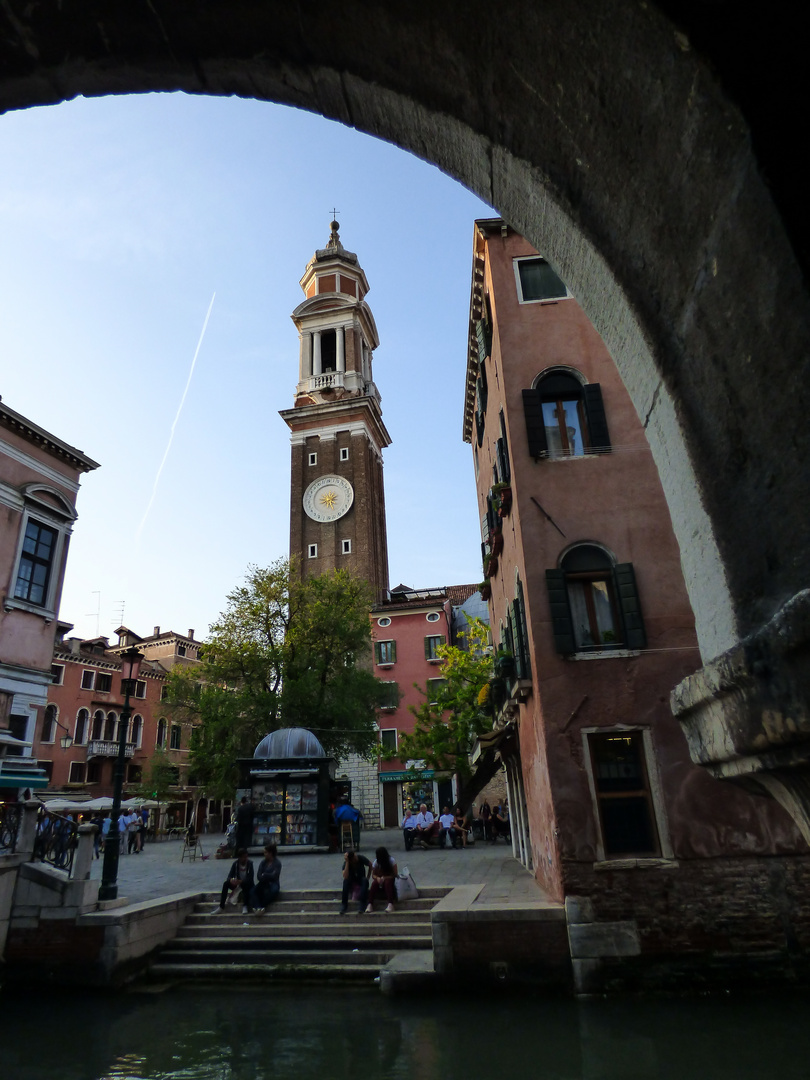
x=191 y=847
x=346 y=836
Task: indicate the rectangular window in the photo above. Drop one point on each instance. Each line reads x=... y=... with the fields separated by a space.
x=312 y=551
x=36 y=561
x=389 y=695
x=344 y=453
x=164 y=693
x=434 y=689
x=103 y=683
x=57 y=674
x=175 y=737
x=140 y=689
x=388 y=740
x=623 y=794
x=432 y=644
x=78 y=772
x=313 y=459
x=346 y=547
x=93 y=772
x=385 y=652
x=88 y=680
x=537 y=281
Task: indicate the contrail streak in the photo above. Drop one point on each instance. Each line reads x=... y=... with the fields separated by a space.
x=174 y=424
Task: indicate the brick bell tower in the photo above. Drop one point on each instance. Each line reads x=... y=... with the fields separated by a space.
x=337 y=499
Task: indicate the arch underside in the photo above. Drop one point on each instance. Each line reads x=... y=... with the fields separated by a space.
x=601 y=135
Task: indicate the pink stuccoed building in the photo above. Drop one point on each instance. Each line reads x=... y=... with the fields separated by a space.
x=39 y=482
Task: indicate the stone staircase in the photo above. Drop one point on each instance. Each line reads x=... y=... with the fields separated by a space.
x=301 y=936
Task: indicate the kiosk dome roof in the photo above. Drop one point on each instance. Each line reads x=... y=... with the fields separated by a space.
x=293 y=742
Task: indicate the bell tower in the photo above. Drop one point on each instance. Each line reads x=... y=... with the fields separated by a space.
x=337 y=499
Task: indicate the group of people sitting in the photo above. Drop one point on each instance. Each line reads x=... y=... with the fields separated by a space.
x=424 y=829
x=363 y=881
x=495 y=821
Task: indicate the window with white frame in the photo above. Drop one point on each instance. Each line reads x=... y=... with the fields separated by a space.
x=78 y=772
x=46 y=521
x=98 y=724
x=160 y=741
x=312 y=551
x=388 y=740
x=389 y=695
x=313 y=459
x=88 y=679
x=140 y=689
x=385 y=652
x=137 y=729
x=624 y=800
x=345 y=547
x=434 y=689
x=81 y=730
x=344 y=453
x=103 y=683
x=432 y=644
x=36 y=563
x=174 y=743
x=57 y=674
x=537 y=281
x=48 y=733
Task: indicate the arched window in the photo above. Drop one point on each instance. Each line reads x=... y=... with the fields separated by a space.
x=137 y=729
x=161 y=734
x=594 y=602
x=98 y=724
x=49 y=724
x=565 y=417
x=110 y=726
x=82 y=721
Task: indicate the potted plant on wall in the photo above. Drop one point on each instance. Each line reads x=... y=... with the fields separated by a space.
x=505 y=665
x=496 y=542
x=485 y=589
x=501 y=495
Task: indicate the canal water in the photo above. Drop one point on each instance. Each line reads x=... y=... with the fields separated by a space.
x=300 y=1033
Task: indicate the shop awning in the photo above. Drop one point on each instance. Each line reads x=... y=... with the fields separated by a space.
x=22 y=780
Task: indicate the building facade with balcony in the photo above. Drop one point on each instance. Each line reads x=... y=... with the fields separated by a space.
x=589 y=610
x=39 y=482
x=85 y=701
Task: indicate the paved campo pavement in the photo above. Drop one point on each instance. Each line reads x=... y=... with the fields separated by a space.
x=159 y=870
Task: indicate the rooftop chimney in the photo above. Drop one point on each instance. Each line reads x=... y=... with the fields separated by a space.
x=191 y=635
x=157 y=631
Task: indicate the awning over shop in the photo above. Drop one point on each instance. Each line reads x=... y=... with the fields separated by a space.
x=22 y=780
x=408 y=774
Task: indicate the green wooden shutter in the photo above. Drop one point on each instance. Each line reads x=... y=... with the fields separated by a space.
x=393 y=652
x=597 y=421
x=535 y=428
x=484 y=336
x=624 y=577
x=377 y=651
x=522 y=662
x=561 y=623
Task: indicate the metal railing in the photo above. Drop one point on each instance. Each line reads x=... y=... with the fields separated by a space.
x=56 y=840
x=107 y=748
x=10 y=821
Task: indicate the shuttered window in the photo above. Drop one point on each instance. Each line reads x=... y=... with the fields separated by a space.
x=385 y=652
x=432 y=644
x=594 y=605
x=565 y=418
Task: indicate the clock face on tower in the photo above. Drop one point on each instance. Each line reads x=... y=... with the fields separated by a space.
x=328 y=498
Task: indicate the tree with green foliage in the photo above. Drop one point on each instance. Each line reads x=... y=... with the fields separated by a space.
x=447 y=726
x=159 y=777
x=285 y=652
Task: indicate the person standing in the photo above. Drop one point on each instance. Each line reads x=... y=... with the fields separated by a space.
x=240 y=879
x=267 y=886
x=122 y=831
x=133 y=825
x=356 y=872
x=105 y=830
x=383 y=880
x=244 y=823
x=485 y=813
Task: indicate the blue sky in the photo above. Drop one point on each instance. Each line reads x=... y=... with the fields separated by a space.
x=120 y=219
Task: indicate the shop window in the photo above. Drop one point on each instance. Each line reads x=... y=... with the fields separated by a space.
x=388 y=740
x=174 y=743
x=49 y=724
x=385 y=652
x=389 y=695
x=537 y=281
x=432 y=644
x=594 y=603
x=564 y=417
x=626 y=816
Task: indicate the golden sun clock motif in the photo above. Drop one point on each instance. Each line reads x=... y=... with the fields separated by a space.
x=328 y=498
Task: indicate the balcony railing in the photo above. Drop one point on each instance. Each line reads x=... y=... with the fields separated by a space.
x=107 y=748
x=329 y=380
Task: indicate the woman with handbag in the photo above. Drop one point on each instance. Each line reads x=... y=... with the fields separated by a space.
x=383 y=880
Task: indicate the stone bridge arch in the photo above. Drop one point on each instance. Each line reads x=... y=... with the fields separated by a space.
x=602 y=135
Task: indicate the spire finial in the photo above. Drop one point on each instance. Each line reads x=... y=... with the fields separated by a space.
x=334 y=236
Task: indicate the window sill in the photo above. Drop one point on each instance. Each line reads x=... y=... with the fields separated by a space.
x=434 y=659
x=11 y=603
x=649 y=863
x=606 y=654
x=391 y=664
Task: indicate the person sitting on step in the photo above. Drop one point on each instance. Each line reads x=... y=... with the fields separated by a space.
x=239 y=883
x=383 y=880
x=356 y=872
x=267 y=886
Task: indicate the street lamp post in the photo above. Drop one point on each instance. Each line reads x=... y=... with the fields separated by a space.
x=130 y=667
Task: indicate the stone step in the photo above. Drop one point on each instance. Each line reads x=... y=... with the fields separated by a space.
x=319 y=973
x=273 y=917
x=263 y=945
x=241 y=958
x=347 y=928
